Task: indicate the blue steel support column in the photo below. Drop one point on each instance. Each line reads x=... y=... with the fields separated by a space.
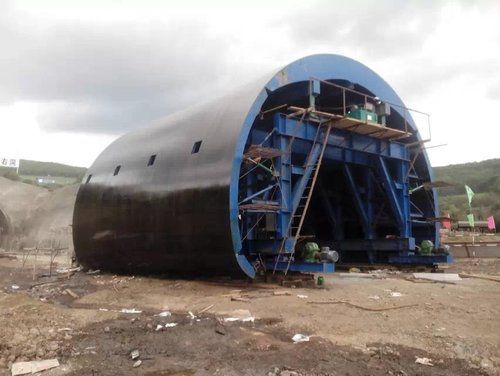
x=404 y=194
x=284 y=166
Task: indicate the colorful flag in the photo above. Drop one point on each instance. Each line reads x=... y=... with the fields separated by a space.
x=470 y=218
x=491 y=223
x=446 y=221
x=470 y=193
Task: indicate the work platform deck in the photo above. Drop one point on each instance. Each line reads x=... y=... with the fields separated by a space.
x=365 y=128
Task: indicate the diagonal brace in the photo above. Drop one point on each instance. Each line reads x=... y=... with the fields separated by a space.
x=358 y=202
x=390 y=188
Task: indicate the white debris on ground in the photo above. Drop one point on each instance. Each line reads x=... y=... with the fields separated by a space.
x=424 y=361
x=134 y=354
x=130 y=310
x=395 y=294
x=165 y=314
x=297 y=338
x=302 y=296
x=242 y=315
x=23 y=368
x=439 y=277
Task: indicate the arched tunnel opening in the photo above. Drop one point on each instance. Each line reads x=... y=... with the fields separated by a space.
x=4 y=229
x=349 y=205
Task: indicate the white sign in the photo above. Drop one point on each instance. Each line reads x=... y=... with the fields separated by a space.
x=9 y=162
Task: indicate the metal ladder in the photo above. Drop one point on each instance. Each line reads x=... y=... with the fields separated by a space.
x=300 y=212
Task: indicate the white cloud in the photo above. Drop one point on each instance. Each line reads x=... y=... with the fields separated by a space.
x=21 y=137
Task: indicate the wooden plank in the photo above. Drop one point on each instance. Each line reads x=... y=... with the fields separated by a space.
x=369 y=129
x=355 y=125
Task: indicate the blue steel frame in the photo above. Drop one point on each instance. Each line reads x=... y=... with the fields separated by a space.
x=328 y=67
x=349 y=149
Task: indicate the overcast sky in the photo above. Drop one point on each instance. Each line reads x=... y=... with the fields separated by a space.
x=74 y=75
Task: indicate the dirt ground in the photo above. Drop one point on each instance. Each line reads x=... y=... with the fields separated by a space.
x=78 y=318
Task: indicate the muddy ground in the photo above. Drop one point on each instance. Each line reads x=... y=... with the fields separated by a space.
x=369 y=324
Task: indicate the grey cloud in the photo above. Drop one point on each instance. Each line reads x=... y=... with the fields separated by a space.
x=377 y=28
x=106 y=78
x=420 y=76
x=113 y=77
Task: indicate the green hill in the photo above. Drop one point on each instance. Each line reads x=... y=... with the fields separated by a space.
x=484 y=179
x=27 y=167
x=29 y=170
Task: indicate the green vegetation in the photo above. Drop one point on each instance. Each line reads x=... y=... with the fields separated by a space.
x=9 y=173
x=484 y=179
x=35 y=168
x=30 y=170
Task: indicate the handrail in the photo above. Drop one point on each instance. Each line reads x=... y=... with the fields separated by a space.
x=376 y=99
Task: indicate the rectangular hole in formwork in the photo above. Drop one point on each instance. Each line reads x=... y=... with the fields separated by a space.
x=196 y=147
x=152 y=160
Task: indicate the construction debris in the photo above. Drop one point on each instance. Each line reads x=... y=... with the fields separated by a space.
x=363 y=308
x=134 y=354
x=281 y=293
x=23 y=368
x=69 y=270
x=297 y=338
x=72 y=293
x=130 y=310
x=424 y=361
x=477 y=276
x=242 y=315
x=439 y=277
x=165 y=314
x=137 y=364
x=206 y=309
x=239 y=299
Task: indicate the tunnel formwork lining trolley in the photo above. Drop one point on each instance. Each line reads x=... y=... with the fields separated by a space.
x=323 y=153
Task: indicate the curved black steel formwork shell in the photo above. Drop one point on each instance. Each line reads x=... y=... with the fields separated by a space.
x=164 y=199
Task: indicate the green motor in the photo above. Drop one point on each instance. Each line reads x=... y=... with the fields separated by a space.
x=311 y=252
x=426 y=248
